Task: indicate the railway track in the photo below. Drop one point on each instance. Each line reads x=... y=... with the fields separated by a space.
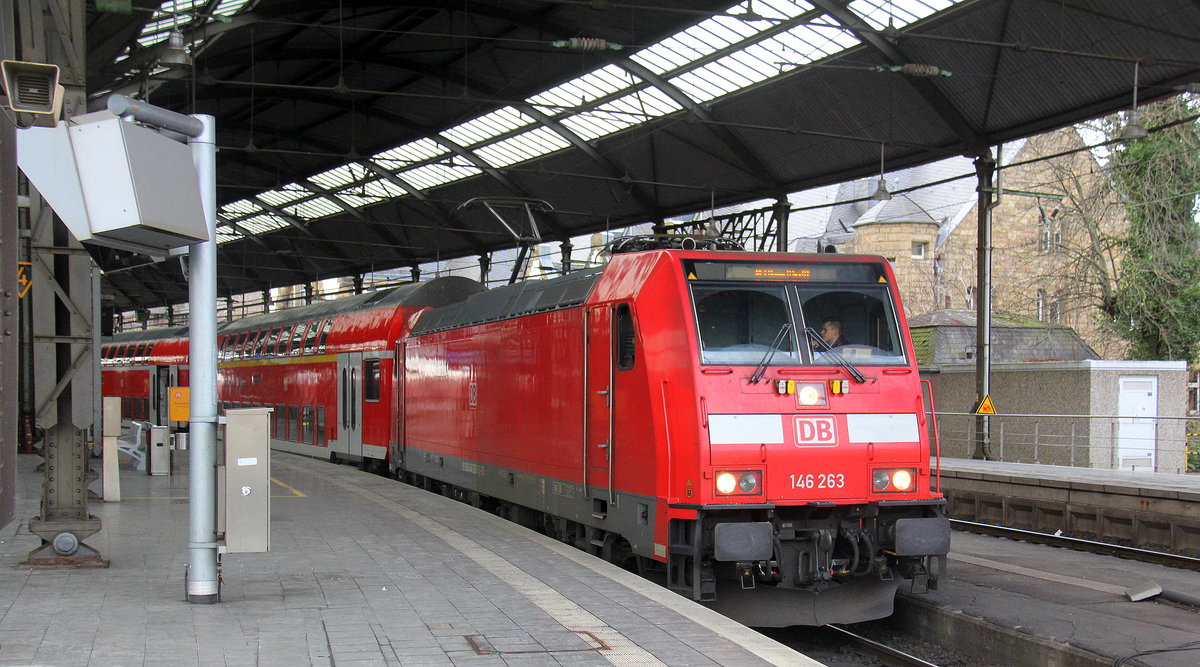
x=884 y=654
x=1078 y=544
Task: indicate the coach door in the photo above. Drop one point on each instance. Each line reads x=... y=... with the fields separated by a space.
x=599 y=377
x=349 y=440
x=162 y=381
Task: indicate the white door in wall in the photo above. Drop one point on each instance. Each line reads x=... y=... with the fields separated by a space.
x=1137 y=428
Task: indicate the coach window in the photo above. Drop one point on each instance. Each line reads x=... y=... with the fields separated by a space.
x=307 y=432
x=310 y=338
x=260 y=345
x=138 y=354
x=285 y=340
x=324 y=335
x=280 y=423
x=320 y=425
x=626 y=353
x=297 y=338
x=739 y=325
x=371 y=380
x=268 y=349
x=294 y=422
x=240 y=345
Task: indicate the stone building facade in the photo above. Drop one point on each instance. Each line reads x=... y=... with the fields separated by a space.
x=1051 y=230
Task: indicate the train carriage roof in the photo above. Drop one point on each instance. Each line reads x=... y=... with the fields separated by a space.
x=434 y=293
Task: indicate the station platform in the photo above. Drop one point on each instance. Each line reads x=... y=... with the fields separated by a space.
x=1154 y=511
x=1042 y=598
x=362 y=570
x=1159 y=481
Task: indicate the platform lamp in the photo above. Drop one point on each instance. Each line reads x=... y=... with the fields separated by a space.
x=881 y=192
x=32 y=93
x=1133 y=129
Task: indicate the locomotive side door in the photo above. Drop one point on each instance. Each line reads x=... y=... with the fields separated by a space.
x=599 y=376
x=350 y=368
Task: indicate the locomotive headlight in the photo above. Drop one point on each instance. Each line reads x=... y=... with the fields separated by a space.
x=894 y=480
x=880 y=480
x=810 y=393
x=739 y=483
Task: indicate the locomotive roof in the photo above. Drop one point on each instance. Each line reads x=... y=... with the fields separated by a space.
x=533 y=296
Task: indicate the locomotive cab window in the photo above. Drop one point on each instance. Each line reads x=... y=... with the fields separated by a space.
x=741 y=324
x=791 y=313
x=864 y=320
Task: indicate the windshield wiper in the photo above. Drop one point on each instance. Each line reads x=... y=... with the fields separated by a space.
x=841 y=361
x=762 y=365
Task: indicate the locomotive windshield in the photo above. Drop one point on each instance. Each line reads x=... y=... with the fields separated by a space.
x=741 y=315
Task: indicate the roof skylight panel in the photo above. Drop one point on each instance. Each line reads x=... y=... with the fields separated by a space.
x=384 y=189
x=587 y=88
x=433 y=175
x=284 y=195
x=711 y=81
x=805 y=44
x=524 y=146
x=487 y=126
x=226 y=235
x=241 y=207
x=595 y=124
x=230 y=7
x=339 y=176
x=642 y=104
x=317 y=207
x=411 y=153
x=357 y=198
x=261 y=224
x=899 y=13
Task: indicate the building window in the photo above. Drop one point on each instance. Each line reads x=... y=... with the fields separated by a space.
x=919 y=249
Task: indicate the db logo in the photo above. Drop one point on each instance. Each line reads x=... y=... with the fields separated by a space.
x=815 y=432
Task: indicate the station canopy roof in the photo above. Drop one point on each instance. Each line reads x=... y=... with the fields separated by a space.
x=352 y=133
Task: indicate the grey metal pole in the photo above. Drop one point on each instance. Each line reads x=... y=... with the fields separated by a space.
x=202 y=579
x=201 y=132
x=985 y=169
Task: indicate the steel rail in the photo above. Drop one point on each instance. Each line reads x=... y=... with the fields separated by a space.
x=1078 y=544
x=891 y=656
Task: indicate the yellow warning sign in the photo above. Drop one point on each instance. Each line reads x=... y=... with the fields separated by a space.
x=986 y=407
x=179 y=407
x=883 y=280
x=691 y=276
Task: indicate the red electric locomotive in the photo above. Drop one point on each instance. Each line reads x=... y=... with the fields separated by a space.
x=679 y=410
x=675 y=411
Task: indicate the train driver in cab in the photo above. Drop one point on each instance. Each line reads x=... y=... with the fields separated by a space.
x=831 y=332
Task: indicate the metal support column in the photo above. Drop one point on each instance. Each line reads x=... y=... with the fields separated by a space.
x=985 y=171
x=203 y=579
x=782 y=209
x=9 y=320
x=62 y=321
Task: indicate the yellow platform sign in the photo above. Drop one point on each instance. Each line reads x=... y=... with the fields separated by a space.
x=179 y=407
x=986 y=407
